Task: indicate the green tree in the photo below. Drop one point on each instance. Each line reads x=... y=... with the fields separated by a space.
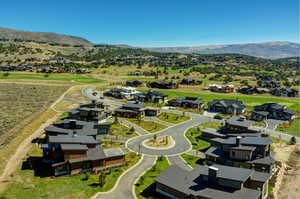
x=101 y=179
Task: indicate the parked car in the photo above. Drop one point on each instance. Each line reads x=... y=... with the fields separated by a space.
x=218 y=117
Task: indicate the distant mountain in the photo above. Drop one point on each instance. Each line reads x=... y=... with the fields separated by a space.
x=17 y=35
x=269 y=50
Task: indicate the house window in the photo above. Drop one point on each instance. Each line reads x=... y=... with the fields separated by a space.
x=233 y=153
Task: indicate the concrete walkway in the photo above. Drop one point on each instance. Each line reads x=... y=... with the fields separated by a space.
x=124 y=189
x=137 y=128
x=177 y=160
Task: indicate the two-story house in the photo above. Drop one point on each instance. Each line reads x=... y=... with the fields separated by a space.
x=186 y=102
x=227 y=106
x=73 y=154
x=151 y=96
x=272 y=111
x=247 y=152
x=212 y=182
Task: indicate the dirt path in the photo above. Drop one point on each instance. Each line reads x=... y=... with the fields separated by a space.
x=24 y=147
x=290 y=185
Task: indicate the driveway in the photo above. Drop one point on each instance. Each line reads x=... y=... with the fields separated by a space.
x=177 y=160
x=124 y=188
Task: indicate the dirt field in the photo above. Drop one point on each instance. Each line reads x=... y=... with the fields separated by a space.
x=290 y=186
x=20 y=103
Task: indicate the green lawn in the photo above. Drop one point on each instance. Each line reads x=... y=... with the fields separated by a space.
x=172 y=118
x=107 y=144
x=292 y=129
x=250 y=101
x=144 y=187
x=55 y=76
x=120 y=130
x=214 y=125
x=193 y=160
x=27 y=186
x=150 y=126
x=193 y=135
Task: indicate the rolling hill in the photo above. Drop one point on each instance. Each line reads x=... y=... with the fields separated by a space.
x=269 y=50
x=48 y=37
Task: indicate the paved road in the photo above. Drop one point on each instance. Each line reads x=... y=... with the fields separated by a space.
x=196 y=153
x=177 y=133
x=124 y=189
x=272 y=124
x=177 y=160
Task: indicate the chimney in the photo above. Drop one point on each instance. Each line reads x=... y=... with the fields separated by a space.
x=72 y=124
x=212 y=174
x=238 y=140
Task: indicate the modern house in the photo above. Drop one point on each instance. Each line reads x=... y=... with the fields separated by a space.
x=268 y=84
x=71 y=126
x=285 y=92
x=221 y=88
x=247 y=152
x=74 y=154
x=163 y=84
x=190 y=81
x=214 y=182
x=238 y=125
x=250 y=90
x=272 y=111
x=151 y=96
x=186 y=102
x=131 y=110
x=134 y=83
x=121 y=92
x=227 y=106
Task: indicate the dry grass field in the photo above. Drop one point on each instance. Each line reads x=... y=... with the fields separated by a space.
x=21 y=103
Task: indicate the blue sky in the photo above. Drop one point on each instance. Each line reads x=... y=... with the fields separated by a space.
x=158 y=22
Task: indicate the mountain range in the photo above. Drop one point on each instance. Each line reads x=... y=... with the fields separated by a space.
x=269 y=50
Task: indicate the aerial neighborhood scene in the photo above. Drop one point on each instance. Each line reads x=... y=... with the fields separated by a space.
x=150 y=99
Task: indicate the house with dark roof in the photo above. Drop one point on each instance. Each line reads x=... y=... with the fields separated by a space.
x=214 y=182
x=72 y=126
x=268 y=84
x=227 y=106
x=221 y=88
x=272 y=111
x=247 y=152
x=238 y=125
x=250 y=90
x=151 y=96
x=163 y=84
x=131 y=110
x=190 y=81
x=94 y=111
x=186 y=102
x=134 y=83
x=74 y=154
x=285 y=92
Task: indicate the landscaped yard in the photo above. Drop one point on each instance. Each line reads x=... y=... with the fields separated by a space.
x=172 y=118
x=150 y=126
x=26 y=186
x=193 y=135
x=193 y=160
x=59 y=77
x=145 y=188
x=214 y=125
x=107 y=144
x=119 y=130
x=249 y=100
x=293 y=128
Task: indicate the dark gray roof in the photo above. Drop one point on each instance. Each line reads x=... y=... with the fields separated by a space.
x=133 y=105
x=193 y=100
x=73 y=147
x=245 y=140
x=212 y=132
x=76 y=139
x=260 y=176
x=237 y=121
x=188 y=182
x=264 y=113
x=227 y=103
